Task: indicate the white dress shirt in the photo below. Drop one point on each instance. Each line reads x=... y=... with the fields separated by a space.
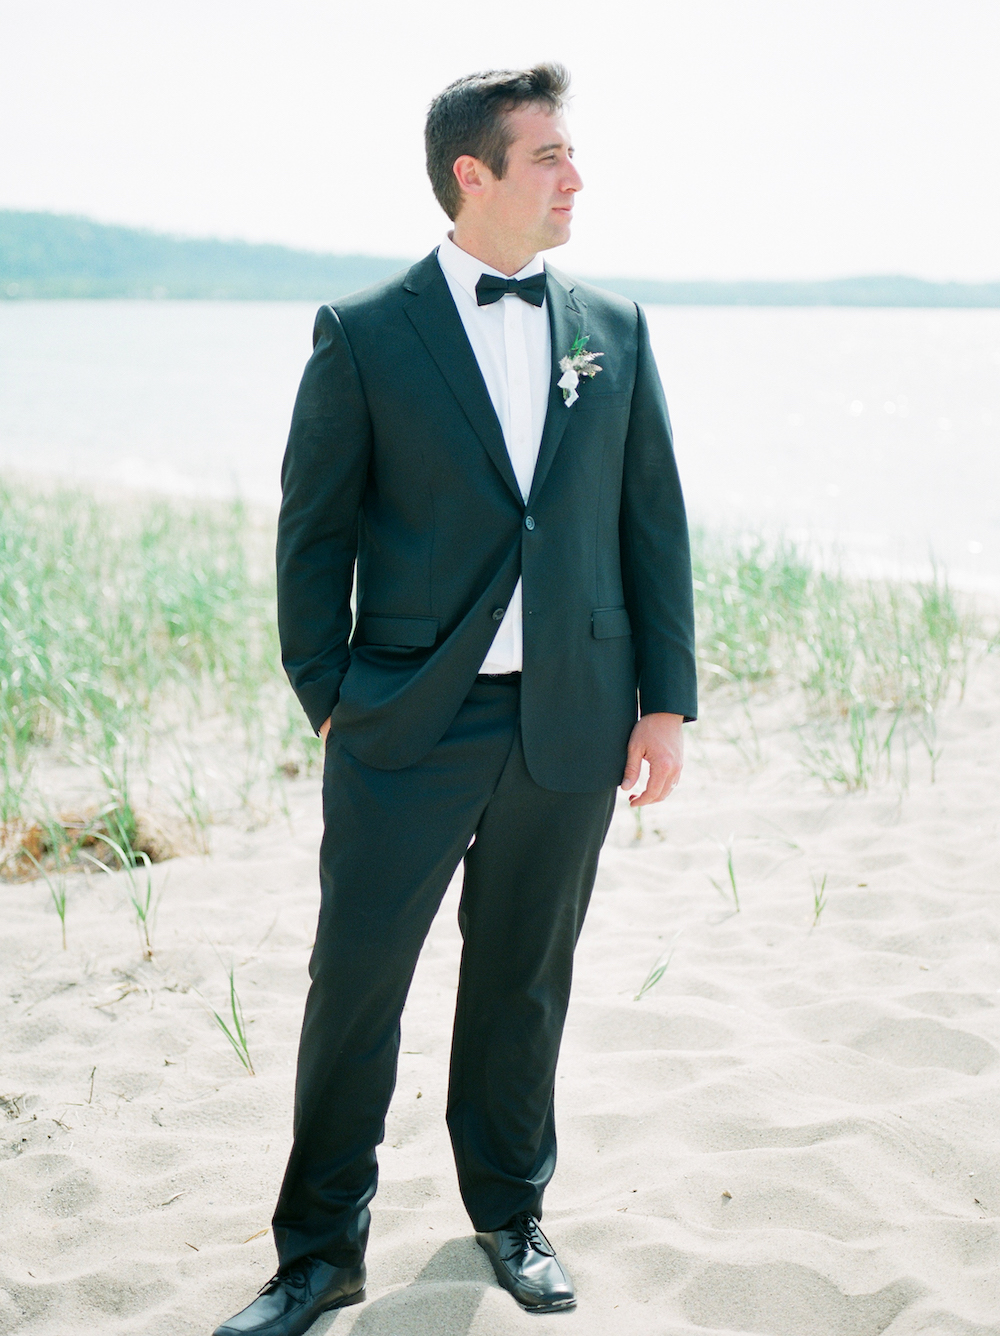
x=511 y=341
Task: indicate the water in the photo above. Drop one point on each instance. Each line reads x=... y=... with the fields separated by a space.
x=873 y=431
x=185 y=397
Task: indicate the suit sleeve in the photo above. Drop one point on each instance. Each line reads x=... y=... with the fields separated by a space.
x=656 y=558
x=322 y=484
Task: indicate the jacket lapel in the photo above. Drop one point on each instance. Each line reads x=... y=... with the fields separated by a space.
x=567 y=319
x=434 y=316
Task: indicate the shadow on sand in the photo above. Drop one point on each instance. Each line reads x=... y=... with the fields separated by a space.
x=442 y=1299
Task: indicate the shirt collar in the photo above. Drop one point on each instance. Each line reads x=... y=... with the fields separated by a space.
x=466 y=270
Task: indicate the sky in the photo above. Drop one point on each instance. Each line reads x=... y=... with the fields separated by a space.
x=717 y=138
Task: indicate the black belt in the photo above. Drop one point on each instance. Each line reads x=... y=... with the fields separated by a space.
x=497 y=677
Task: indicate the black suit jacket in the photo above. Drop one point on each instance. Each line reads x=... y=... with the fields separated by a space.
x=396 y=462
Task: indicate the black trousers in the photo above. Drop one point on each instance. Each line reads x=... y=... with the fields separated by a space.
x=392 y=841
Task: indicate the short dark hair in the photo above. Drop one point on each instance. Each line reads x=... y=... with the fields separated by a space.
x=470 y=116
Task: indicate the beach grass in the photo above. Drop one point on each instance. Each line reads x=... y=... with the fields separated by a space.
x=236 y=1033
x=138 y=644
x=819 y=897
x=57 y=892
x=108 y=612
x=767 y=612
x=872 y=660
x=732 y=891
x=129 y=630
x=658 y=968
x=140 y=889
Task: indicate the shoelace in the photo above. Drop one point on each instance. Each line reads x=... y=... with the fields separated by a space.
x=529 y=1233
x=294 y=1277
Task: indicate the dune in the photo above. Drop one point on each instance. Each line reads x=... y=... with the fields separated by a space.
x=793 y=1132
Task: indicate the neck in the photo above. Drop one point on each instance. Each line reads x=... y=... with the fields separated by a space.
x=509 y=255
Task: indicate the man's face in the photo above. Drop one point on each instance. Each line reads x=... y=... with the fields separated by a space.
x=533 y=203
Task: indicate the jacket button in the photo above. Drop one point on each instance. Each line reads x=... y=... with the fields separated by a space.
x=498 y=614
x=529 y=523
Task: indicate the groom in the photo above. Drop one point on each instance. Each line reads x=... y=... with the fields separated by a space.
x=511 y=508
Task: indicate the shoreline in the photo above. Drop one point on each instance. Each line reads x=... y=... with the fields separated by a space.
x=858 y=555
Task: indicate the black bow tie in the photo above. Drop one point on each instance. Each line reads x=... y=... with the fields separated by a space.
x=490 y=289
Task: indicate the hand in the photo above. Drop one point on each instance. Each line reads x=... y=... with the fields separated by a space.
x=323 y=730
x=658 y=739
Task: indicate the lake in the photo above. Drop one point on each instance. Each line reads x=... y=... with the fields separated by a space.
x=875 y=433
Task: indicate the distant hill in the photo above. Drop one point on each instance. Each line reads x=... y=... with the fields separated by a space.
x=56 y=255
x=53 y=255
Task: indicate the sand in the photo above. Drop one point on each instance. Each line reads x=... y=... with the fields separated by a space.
x=794 y=1133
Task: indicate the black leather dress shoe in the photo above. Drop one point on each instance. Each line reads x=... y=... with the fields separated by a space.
x=526 y=1264
x=292 y=1300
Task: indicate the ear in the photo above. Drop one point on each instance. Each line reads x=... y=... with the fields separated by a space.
x=471 y=174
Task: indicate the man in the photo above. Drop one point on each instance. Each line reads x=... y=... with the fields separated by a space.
x=488 y=444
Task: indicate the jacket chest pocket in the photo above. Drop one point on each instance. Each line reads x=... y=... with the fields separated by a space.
x=608 y=401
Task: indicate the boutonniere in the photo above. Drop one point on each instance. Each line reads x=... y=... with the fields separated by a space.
x=577 y=363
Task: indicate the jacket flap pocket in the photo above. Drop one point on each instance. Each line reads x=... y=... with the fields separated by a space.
x=611 y=622
x=418 y=632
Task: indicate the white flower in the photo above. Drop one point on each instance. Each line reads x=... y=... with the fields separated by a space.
x=568 y=382
x=576 y=364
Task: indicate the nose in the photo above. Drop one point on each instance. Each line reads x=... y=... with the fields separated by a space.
x=573 y=181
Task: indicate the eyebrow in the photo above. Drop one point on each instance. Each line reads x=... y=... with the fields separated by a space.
x=547 y=148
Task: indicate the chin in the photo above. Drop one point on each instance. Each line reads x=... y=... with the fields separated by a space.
x=557 y=236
